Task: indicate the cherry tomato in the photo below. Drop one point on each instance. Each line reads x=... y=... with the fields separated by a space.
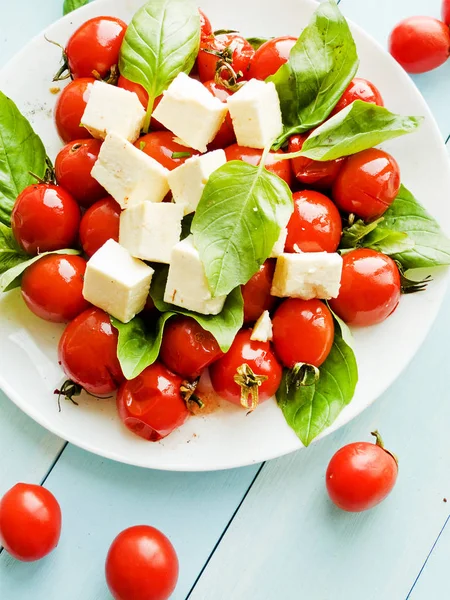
x=205 y=24
x=312 y=322
x=187 y=349
x=88 y=353
x=359 y=89
x=161 y=146
x=225 y=136
x=99 y=224
x=151 y=405
x=270 y=57
x=420 y=44
x=370 y=288
x=253 y=365
x=45 y=217
x=73 y=168
x=252 y=156
x=367 y=184
x=69 y=110
x=256 y=292
x=315 y=225
x=446 y=12
x=316 y=173
x=52 y=287
x=30 y=522
x=228 y=48
x=141 y=565
x=361 y=475
x=94 y=47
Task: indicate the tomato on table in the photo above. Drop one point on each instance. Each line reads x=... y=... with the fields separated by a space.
x=370 y=288
x=270 y=56
x=141 y=565
x=256 y=292
x=99 y=224
x=316 y=173
x=359 y=89
x=225 y=136
x=69 y=110
x=152 y=405
x=222 y=50
x=205 y=25
x=252 y=156
x=30 y=522
x=161 y=146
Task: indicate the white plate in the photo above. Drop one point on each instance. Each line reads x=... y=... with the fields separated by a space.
x=29 y=371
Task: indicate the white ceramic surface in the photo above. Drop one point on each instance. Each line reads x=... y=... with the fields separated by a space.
x=29 y=371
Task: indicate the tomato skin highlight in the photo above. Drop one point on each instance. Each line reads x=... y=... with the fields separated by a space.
x=370 y=288
x=88 y=353
x=225 y=136
x=161 y=145
x=69 y=110
x=242 y=54
x=270 y=56
x=420 y=44
x=30 y=522
x=151 y=405
x=99 y=224
x=315 y=173
x=359 y=89
x=141 y=565
x=252 y=156
x=256 y=292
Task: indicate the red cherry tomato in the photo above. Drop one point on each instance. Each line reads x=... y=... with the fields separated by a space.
x=315 y=224
x=142 y=94
x=30 y=522
x=45 y=217
x=225 y=136
x=361 y=475
x=420 y=44
x=99 y=224
x=312 y=322
x=316 y=173
x=359 y=89
x=151 y=405
x=73 y=168
x=446 y=12
x=187 y=349
x=52 y=287
x=69 y=110
x=367 y=184
x=255 y=366
x=270 y=57
x=161 y=146
x=205 y=24
x=94 y=47
x=256 y=292
x=252 y=156
x=141 y=565
x=230 y=48
x=88 y=353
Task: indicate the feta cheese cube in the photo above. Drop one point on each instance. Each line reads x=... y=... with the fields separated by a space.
x=188 y=181
x=307 y=275
x=116 y=282
x=129 y=175
x=191 y=112
x=256 y=114
x=187 y=285
x=279 y=244
x=150 y=231
x=262 y=330
x=111 y=108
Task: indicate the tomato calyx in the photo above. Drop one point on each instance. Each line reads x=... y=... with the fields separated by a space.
x=379 y=442
x=409 y=286
x=187 y=390
x=224 y=31
x=225 y=75
x=249 y=383
x=112 y=77
x=303 y=375
x=49 y=175
x=68 y=390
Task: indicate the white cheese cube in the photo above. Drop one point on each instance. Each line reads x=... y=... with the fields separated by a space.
x=279 y=244
x=256 y=114
x=129 y=175
x=188 y=181
x=116 y=282
x=187 y=285
x=262 y=330
x=111 y=108
x=191 y=112
x=307 y=275
x=150 y=231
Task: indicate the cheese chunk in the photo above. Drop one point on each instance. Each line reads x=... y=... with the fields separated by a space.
x=128 y=174
x=307 y=275
x=280 y=244
x=188 y=181
x=191 y=112
x=256 y=114
x=111 y=108
x=116 y=282
x=150 y=231
x=262 y=330
x=187 y=285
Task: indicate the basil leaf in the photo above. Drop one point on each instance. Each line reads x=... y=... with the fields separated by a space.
x=225 y=31
x=387 y=241
x=321 y=65
x=71 y=5
x=238 y=220
x=186 y=224
x=257 y=42
x=161 y=41
x=21 y=152
x=309 y=410
x=355 y=233
x=223 y=326
x=11 y=254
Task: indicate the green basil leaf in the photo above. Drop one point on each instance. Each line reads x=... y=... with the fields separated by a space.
x=257 y=42
x=321 y=65
x=223 y=326
x=309 y=410
x=387 y=241
x=353 y=234
x=225 y=31
x=71 y=5
x=238 y=220
x=186 y=225
x=21 y=152
x=11 y=254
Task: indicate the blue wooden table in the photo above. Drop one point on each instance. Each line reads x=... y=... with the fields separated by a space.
x=266 y=532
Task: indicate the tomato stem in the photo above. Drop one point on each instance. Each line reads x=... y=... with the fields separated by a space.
x=249 y=383
x=69 y=389
x=63 y=71
x=303 y=375
x=379 y=442
x=408 y=286
x=187 y=390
